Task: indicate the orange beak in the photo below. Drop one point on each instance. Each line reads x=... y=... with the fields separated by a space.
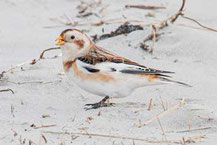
x=60 y=41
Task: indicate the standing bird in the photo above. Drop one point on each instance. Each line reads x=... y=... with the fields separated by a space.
x=102 y=72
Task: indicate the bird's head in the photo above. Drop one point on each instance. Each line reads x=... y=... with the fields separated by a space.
x=73 y=43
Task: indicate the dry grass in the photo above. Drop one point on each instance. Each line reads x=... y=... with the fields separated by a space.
x=115 y=136
x=170 y=110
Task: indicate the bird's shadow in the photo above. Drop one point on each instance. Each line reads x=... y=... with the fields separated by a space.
x=117 y=105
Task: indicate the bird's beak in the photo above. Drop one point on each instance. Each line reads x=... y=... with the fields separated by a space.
x=60 y=41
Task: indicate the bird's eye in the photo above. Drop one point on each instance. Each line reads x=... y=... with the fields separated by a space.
x=72 y=37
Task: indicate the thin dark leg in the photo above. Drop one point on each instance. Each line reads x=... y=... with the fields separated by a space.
x=100 y=104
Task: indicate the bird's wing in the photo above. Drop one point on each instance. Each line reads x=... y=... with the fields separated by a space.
x=100 y=60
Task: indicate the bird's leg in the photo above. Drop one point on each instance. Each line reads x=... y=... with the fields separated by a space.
x=101 y=103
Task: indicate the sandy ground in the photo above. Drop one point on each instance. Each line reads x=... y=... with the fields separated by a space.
x=28 y=27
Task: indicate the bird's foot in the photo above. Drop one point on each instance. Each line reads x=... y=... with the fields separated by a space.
x=100 y=104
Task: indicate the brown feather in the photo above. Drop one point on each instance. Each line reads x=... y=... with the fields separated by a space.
x=99 y=55
x=79 y=43
x=67 y=65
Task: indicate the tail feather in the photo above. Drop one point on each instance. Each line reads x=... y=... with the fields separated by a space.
x=181 y=83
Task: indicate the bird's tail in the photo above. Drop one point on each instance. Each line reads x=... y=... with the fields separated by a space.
x=177 y=82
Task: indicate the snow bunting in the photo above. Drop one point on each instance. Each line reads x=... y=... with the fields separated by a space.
x=102 y=72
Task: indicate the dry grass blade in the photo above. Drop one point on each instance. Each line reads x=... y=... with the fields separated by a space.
x=187 y=130
x=21 y=64
x=115 y=136
x=162 y=104
x=170 y=110
x=35 y=82
x=163 y=132
x=45 y=126
x=145 y=7
x=208 y=28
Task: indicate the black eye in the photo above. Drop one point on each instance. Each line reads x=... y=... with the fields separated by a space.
x=72 y=37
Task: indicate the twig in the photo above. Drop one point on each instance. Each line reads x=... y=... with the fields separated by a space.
x=161 y=126
x=5 y=90
x=204 y=117
x=19 y=65
x=12 y=111
x=183 y=141
x=150 y=104
x=187 y=130
x=22 y=141
x=45 y=115
x=15 y=133
x=162 y=25
x=189 y=126
x=145 y=7
x=114 y=136
x=2 y=74
x=123 y=29
x=56 y=132
x=193 y=139
x=34 y=82
x=42 y=54
x=165 y=113
x=179 y=13
x=162 y=104
x=208 y=28
x=31 y=142
x=44 y=138
x=154 y=32
x=32 y=62
x=86 y=15
x=173 y=18
x=150 y=37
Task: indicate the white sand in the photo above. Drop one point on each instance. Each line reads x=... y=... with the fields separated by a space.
x=24 y=34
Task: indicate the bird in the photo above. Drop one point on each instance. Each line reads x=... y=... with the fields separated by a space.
x=104 y=73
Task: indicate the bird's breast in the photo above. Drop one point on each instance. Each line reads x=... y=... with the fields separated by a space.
x=79 y=73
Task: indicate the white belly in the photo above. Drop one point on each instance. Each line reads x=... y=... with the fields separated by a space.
x=123 y=87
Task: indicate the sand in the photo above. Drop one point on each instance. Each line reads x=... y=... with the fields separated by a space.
x=48 y=109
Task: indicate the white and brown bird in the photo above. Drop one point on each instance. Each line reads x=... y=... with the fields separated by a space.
x=102 y=72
